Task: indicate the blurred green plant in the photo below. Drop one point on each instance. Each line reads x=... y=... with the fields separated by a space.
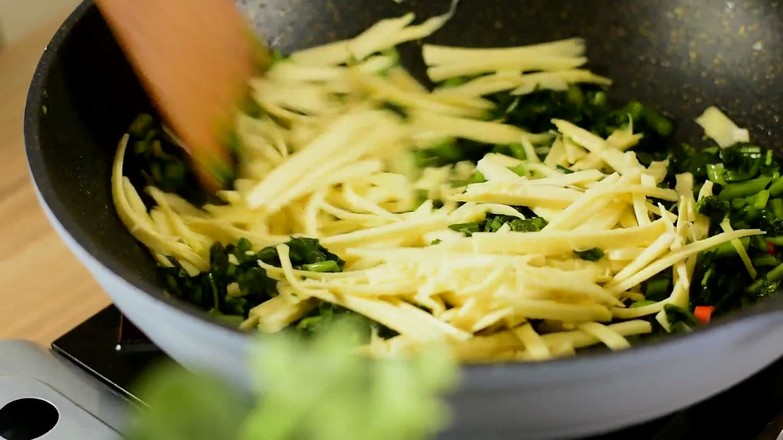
x=305 y=388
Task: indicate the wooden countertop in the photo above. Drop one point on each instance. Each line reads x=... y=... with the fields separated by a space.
x=44 y=290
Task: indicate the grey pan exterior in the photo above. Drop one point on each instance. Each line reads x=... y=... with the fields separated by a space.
x=84 y=94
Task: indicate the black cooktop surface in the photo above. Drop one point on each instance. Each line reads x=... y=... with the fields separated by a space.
x=114 y=351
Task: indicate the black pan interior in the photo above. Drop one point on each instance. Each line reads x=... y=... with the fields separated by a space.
x=676 y=55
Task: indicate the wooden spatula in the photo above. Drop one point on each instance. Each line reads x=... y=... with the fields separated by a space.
x=194 y=57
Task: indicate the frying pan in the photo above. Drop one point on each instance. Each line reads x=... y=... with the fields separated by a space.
x=676 y=55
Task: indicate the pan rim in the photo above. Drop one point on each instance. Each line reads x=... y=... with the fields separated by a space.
x=37 y=167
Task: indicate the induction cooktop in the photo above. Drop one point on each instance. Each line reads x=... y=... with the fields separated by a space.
x=112 y=350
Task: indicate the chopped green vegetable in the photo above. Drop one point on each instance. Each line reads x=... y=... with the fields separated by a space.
x=277 y=56
x=475 y=177
x=493 y=222
x=466 y=228
x=564 y=169
x=322 y=266
x=154 y=159
x=715 y=173
x=761 y=199
x=776 y=207
x=223 y=173
x=141 y=125
x=440 y=155
x=728 y=249
x=738 y=204
x=743 y=162
x=658 y=288
x=597 y=99
x=776 y=189
x=744 y=189
x=323 y=317
x=680 y=320
x=714 y=208
x=765 y=261
x=593 y=254
x=575 y=96
x=253 y=108
x=304 y=250
x=210 y=290
x=772 y=225
x=775 y=274
x=396 y=109
x=659 y=123
x=642 y=303
x=518 y=151
x=520 y=170
x=392 y=53
x=233 y=141
x=454 y=82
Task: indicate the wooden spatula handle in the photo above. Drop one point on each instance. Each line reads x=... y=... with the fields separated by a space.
x=194 y=58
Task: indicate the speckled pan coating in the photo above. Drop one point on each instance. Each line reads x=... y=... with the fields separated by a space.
x=677 y=55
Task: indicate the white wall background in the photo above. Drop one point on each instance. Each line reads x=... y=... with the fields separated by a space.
x=19 y=17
